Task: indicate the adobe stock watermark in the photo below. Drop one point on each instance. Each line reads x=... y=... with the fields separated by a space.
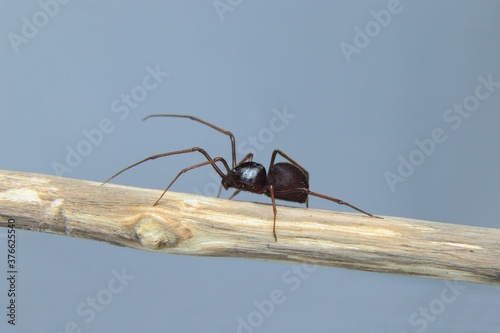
x=292 y=279
x=31 y=26
x=89 y=309
x=223 y=6
x=121 y=107
x=252 y=144
x=363 y=37
x=452 y=117
x=421 y=319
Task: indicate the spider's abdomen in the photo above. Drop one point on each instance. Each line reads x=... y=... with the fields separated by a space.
x=286 y=177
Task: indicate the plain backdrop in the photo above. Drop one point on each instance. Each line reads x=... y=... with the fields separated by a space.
x=361 y=83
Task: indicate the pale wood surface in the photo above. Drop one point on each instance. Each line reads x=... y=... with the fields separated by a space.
x=203 y=226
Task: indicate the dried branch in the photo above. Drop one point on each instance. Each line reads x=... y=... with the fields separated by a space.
x=202 y=226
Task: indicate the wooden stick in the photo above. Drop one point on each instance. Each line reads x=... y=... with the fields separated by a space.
x=203 y=226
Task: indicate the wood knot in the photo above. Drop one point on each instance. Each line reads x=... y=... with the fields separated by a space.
x=154 y=233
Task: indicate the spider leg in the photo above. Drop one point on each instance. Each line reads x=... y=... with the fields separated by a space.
x=234 y=194
x=340 y=202
x=211 y=161
x=271 y=194
x=177 y=152
x=206 y=123
x=248 y=157
x=289 y=159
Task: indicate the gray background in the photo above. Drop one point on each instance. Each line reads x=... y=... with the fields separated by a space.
x=352 y=122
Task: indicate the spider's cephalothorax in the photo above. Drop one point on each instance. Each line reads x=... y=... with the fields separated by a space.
x=247 y=176
x=285 y=180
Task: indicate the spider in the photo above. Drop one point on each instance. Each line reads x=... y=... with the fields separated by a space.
x=287 y=181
